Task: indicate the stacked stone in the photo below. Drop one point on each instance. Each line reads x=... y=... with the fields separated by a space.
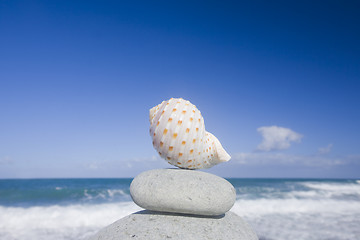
x=180 y=204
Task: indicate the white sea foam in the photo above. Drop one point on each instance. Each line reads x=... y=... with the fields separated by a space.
x=331 y=190
x=113 y=192
x=60 y=222
x=104 y=195
x=303 y=194
x=349 y=188
x=280 y=219
x=264 y=206
x=303 y=219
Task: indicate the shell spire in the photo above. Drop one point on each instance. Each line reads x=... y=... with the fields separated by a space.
x=222 y=155
x=178 y=132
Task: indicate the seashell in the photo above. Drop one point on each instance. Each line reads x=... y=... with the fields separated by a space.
x=178 y=133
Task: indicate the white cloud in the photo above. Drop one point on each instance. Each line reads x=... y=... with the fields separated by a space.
x=261 y=158
x=145 y=159
x=325 y=150
x=277 y=138
x=93 y=165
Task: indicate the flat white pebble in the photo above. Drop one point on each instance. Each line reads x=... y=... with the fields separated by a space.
x=183 y=191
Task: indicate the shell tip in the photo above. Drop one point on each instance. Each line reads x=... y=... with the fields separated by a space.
x=222 y=155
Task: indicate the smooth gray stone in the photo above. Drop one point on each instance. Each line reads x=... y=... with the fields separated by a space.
x=183 y=191
x=149 y=225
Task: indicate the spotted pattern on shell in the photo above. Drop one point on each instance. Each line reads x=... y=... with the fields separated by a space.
x=178 y=132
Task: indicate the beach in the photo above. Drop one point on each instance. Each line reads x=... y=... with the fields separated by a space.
x=305 y=209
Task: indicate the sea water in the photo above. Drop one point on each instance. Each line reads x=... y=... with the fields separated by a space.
x=277 y=209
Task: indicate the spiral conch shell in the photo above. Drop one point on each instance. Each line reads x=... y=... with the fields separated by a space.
x=178 y=132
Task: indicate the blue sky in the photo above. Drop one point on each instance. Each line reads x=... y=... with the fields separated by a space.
x=277 y=82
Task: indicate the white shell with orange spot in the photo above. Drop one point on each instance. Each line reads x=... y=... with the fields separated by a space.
x=178 y=132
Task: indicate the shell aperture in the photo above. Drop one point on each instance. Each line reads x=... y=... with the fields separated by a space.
x=178 y=133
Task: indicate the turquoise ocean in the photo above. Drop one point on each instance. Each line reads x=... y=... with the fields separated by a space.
x=278 y=209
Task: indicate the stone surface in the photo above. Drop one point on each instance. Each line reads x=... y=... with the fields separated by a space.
x=182 y=191
x=154 y=225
